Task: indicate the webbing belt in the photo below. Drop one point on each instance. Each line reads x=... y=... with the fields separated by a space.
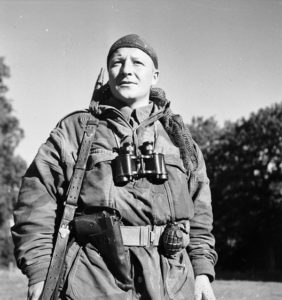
x=142 y=236
x=69 y=211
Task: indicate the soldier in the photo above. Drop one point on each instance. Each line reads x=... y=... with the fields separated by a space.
x=137 y=216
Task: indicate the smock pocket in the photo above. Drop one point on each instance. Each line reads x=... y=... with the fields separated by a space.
x=90 y=278
x=97 y=184
x=178 y=191
x=178 y=276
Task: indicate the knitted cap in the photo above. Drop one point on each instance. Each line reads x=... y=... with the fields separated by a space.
x=134 y=41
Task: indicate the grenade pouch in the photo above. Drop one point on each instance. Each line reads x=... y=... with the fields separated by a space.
x=101 y=228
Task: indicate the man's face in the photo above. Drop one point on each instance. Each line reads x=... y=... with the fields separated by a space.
x=131 y=75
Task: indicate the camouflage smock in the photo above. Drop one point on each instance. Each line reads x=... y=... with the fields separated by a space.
x=140 y=202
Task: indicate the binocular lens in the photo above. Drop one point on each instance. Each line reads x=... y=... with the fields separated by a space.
x=128 y=167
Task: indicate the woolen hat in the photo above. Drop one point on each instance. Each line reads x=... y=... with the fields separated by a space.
x=133 y=41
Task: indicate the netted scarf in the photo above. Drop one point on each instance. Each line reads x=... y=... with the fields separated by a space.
x=177 y=131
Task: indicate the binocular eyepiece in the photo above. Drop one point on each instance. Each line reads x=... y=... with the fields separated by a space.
x=128 y=167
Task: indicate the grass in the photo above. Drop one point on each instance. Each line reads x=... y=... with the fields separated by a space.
x=247 y=290
x=14 y=287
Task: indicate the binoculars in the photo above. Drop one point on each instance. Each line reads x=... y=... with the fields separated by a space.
x=128 y=167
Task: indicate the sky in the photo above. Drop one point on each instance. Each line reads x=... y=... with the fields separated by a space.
x=218 y=58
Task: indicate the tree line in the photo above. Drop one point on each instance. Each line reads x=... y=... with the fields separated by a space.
x=12 y=167
x=244 y=164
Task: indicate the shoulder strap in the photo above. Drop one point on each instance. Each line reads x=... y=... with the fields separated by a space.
x=69 y=211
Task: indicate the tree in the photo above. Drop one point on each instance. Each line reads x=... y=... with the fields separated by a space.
x=12 y=167
x=205 y=132
x=244 y=164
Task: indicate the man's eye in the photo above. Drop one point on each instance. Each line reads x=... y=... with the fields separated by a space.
x=138 y=62
x=115 y=63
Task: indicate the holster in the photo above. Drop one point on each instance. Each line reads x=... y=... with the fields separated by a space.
x=101 y=228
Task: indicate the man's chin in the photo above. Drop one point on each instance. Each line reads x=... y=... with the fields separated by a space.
x=127 y=98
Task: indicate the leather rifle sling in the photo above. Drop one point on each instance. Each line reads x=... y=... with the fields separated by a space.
x=58 y=255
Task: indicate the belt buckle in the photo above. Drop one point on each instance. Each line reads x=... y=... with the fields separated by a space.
x=153 y=236
x=149 y=235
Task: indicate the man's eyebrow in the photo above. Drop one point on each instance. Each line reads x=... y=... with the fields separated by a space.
x=116 y=55
x=119 y=56
x=137 y=57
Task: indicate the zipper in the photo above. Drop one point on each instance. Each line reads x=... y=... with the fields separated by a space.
x=146 y=122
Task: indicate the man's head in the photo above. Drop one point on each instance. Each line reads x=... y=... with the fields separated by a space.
x=132 y=66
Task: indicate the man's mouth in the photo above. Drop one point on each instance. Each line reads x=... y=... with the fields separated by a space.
x=126 y=82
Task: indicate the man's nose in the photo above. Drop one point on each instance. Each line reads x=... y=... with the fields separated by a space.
x=127 y=67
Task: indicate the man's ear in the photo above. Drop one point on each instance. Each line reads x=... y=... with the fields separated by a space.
x=155 y=76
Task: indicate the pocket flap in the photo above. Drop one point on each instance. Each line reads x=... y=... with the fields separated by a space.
x=99 y=155
x=175 y=161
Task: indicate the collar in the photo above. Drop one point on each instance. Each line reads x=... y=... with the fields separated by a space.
x=142 y=113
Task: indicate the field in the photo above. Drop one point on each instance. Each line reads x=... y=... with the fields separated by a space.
x=14 y=287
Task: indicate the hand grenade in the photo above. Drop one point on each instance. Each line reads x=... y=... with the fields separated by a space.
x=172 y=240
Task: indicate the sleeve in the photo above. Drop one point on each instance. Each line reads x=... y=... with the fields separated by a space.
x=36 y=212
x=202 y=242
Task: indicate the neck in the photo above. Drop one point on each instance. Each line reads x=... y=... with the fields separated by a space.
x=139 y=103
x=135 y=103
